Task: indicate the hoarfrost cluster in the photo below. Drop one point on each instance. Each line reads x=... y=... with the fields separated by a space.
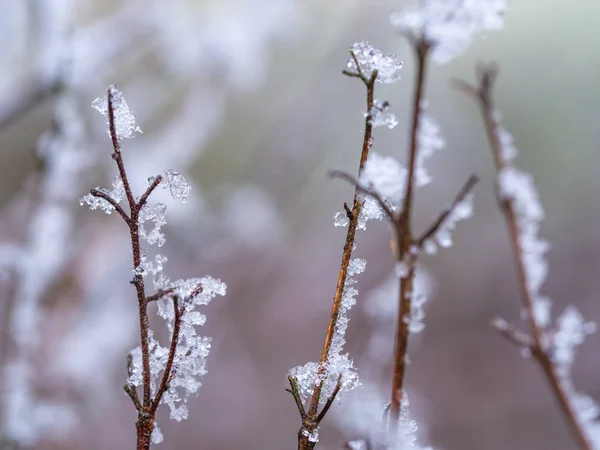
x=450 y=25
x=380 y=116
x=125 y=124
x=386 y=177
x=429 y=140
x=371 y=59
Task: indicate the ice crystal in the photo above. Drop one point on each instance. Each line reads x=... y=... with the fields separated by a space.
x=125 y=125
x=313 y=436
x=380 y=116
x=340 y=219
x=385 y=176
x=155 y=214
x=571 y=332
x=370 y=59
x=443 y=236
x=157 y=436
x=190 y=358
x=450 y=25
x=176 y=184
x=429 y=140
x=370 y=211
x=518 y=188
x=153 y=267
x=117 y=193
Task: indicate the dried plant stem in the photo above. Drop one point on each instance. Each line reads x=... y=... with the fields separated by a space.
x=538 y=347
x=404 y=241
x=147 y=406
x=312 y=418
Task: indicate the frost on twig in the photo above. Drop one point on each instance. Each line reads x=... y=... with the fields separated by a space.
x=551 y=345
x=168 y=374
x=366 y=60
x=449 y=26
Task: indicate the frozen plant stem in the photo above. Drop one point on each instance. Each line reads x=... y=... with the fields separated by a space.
x=147 y=406
x=312 y=418
x=535 y=343
x=404 y=240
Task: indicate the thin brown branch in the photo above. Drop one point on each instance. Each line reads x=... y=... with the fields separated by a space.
x=435 y=226
x=308 y=422
x=405 y=240
x=159 y=295
x=330 y=400
x=513 y=335
x=487 y=76
x=114 y=204
x=144 y=198
x=363 y=189
x=164 y=383
x=296 y=394
x=132 y=393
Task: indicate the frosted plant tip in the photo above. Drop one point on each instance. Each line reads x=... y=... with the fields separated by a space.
x=125 y=124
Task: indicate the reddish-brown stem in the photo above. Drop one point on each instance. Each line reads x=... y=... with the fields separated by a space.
x=404 y=241
x=312 y=417
x=483 y=95
x=164 y=384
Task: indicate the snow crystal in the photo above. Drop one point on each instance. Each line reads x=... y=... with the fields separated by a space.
x=153 y=267
x=450 y=25
x=312 y=436
x=156 y=214
x=125 y=124
x=385 y=176
x=370 y=59
x=380 y=116
x=519 y=189
x=429 y=140
x=571 y=332
x=340 y=219
x=443 y=236
x=176 y=184
x=157 y=436
x=117 y=194
x=370 y=210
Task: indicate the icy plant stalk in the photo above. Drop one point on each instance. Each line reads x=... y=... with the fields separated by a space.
x=165 y=375
x=392 y=187
x=552 y=347
x=334 y=372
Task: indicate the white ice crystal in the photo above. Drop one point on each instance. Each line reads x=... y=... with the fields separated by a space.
x=153 y=267
x=370 y=211
x=156 y=437
x=429 y=140
x=443 y=236
x=117 y=193
x=155 y=214
x=380 y=116
x=370 y=59
x=450 y=25
x=385 y=176
x=125 y=125
x=175 y=183
x=571 y=332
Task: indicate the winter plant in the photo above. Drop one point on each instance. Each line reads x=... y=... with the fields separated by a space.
x=437 y=30
x=385 y=190
x=165 y=375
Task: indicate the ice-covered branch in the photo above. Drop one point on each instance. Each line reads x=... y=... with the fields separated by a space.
x=523 y=213
x=183 y=363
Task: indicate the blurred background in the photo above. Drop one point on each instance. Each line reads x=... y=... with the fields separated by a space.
x=246 y=98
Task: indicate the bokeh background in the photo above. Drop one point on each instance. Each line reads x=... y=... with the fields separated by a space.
x=246 y=98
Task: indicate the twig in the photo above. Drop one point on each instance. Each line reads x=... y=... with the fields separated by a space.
x=330 y=400
x=483 y=94
x=352 y=180
x=309 y=421
x=144 y=198
x=164 y=384
x=405 y=241
x=114 y=204
x=132 y=393
x=294 y=392
x=434 y=227
x=160 y=294
x=515 y=336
